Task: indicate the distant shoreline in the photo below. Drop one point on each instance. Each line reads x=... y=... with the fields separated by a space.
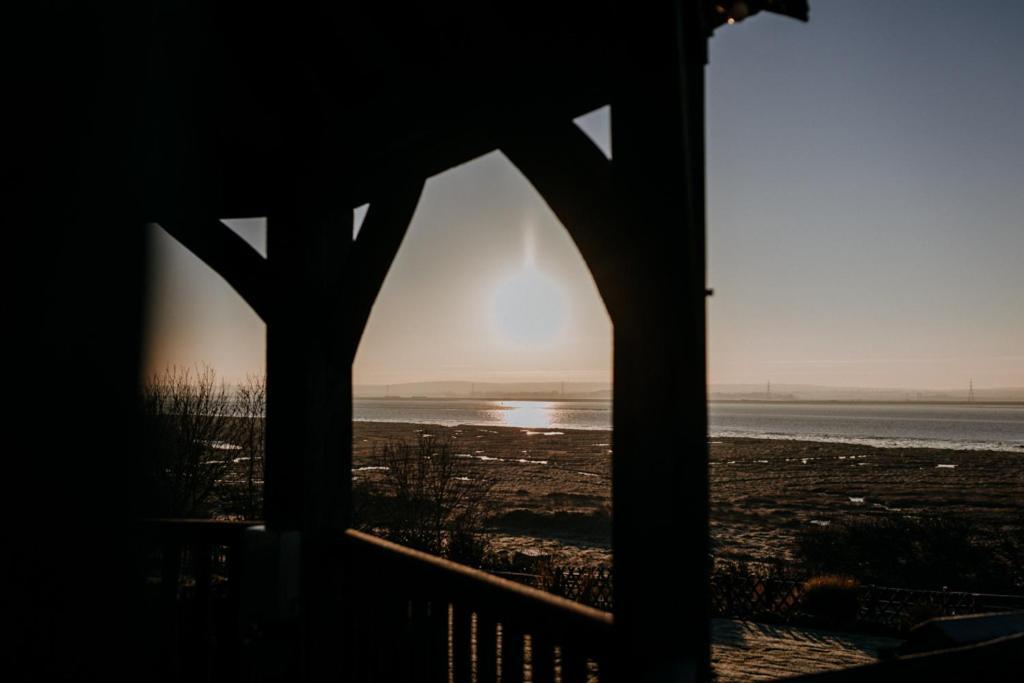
x=715 y=437
x=759 y=401
x=884 y=424
x=884 y=402
x=483 y=398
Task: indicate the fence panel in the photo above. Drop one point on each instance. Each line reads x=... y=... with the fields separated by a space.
x=746 y=596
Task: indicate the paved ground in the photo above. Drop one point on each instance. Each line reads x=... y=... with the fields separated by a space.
x=748 y=651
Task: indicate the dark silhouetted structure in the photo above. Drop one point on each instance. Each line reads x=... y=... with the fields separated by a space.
x=187 y=113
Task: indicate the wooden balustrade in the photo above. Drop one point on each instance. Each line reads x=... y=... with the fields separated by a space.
x=408 y=616
x=417 y=617
x=199 y=596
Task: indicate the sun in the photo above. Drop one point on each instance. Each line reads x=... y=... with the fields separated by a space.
x=529 y=307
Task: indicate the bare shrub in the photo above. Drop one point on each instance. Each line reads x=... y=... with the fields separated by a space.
x=425 y=498
x=188 y=432
x=242 y=493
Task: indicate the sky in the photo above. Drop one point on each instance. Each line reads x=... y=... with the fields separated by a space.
x=865 y=226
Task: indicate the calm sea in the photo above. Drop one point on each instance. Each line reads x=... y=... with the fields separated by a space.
x=963 y=427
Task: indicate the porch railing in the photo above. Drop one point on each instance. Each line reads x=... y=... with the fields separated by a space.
x=416 y=617
x=194 y=574
x=407 y=615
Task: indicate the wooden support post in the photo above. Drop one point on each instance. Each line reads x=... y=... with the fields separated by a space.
x=309 y=402
x=309 y=388
x=660 y=498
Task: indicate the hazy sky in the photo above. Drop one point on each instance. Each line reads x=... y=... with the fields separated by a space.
x=866 y=226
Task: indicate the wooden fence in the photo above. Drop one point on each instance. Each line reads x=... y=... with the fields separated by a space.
x=751 y=597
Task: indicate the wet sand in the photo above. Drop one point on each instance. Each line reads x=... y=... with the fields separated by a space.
x=552 y=490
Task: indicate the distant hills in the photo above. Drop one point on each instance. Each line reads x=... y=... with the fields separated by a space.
x=721 y=392
x=811 y=392
x=511 y=390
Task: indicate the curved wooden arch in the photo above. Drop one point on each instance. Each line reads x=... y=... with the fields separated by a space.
x=383 y=230
x=575 y=179
x=230 y=256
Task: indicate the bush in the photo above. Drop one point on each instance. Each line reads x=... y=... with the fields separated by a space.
x=831 y=598
x=931 y=553
x=425 y=498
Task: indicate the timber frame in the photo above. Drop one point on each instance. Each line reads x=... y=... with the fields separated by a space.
x=638 y=222
x=184 y=114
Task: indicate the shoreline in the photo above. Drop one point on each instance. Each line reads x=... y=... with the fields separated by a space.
x=882 y=442
x=1011 y=403
x=871 y=442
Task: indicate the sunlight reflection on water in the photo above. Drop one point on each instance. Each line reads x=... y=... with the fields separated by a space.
x=976 y=427
x=526 y=414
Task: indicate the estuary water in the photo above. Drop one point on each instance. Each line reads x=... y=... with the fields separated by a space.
x=909 y=425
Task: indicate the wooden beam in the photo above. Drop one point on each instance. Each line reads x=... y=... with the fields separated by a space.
x=219 y=247
x=474 y=133
x=379 y=238
x=575 y=179
x=659 y=489
x=466 y=85
x=309 y=406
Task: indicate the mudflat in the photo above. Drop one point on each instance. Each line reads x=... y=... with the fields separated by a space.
x=552 y=488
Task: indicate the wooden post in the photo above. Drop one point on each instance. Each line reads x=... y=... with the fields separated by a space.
x=309 y=402
x=660 y=498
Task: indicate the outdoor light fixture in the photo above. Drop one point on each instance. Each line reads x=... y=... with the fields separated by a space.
x=729 y=12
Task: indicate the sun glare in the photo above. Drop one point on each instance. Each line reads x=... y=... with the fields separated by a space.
x=529 y=307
